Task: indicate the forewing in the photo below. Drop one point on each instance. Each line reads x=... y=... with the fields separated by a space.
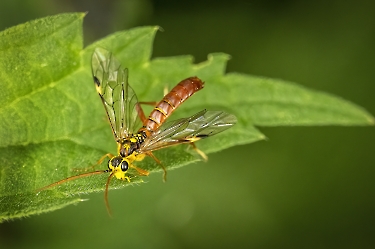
x=201 y=125
x=119 y=99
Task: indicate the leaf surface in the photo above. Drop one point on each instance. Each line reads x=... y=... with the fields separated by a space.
x=53 y=122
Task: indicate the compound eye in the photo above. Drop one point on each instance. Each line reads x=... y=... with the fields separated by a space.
x=124 y=166
x=115 y=161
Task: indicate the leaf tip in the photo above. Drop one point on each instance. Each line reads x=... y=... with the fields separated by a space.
x=82 y=14
x=158 y=28
x=368 y=119
x=263 y=137
x=371 y=120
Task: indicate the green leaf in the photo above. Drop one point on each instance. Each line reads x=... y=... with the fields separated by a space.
x=53 y=121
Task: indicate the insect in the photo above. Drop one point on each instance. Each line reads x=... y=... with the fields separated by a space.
x=137 y=136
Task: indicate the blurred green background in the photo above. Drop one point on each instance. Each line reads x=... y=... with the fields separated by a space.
x=306 y=187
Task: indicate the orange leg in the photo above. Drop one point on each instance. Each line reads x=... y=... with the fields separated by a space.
x=140 y=111
x=142 y=172
x=201 y=153
x=161 y=165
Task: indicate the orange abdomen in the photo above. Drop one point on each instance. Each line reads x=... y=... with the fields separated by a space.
x=181 y=92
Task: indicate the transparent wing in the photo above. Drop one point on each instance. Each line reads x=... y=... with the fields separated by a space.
x=119 y=99
x=201 y=125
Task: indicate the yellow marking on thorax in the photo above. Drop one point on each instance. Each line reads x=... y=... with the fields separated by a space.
x=131 y=158
x=135 y=157
x=133 y=140
x=139 y=157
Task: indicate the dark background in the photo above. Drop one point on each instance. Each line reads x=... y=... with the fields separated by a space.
x=306 y=187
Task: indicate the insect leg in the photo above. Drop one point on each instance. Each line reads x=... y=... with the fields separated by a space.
x=142 y=172
x=140 y=111
x=109 y=155
x=161 y=165
x=201 y=153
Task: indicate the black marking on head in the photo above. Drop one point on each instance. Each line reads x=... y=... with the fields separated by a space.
x=115 y=161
